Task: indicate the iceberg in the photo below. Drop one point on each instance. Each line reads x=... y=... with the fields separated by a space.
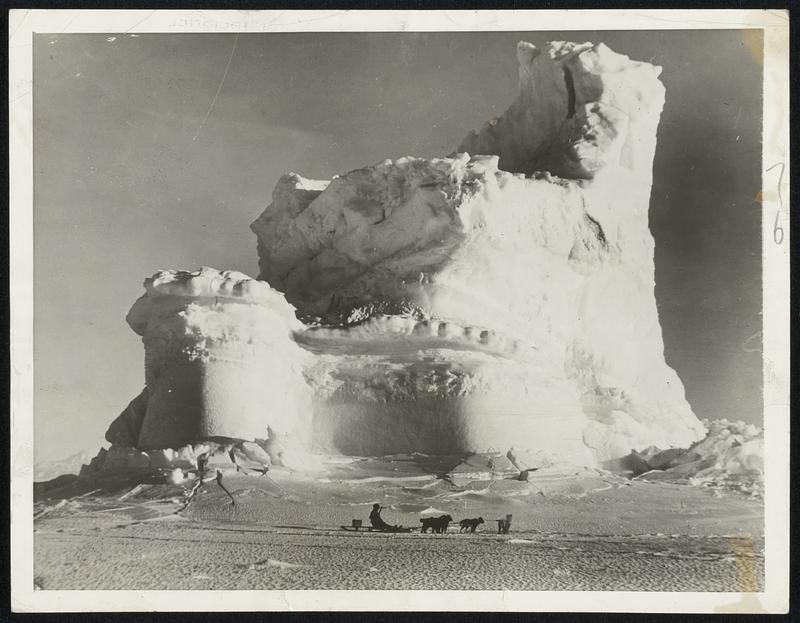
x=497 y=301
x=494 y=300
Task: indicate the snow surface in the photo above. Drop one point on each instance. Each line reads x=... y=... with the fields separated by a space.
x=643 y=535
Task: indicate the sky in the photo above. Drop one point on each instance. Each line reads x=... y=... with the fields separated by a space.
x=157 y=151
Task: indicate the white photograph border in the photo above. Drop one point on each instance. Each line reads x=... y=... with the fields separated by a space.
x=775 y=25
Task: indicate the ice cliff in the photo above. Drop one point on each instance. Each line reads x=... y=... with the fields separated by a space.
x=499 y=299
x=494 y=299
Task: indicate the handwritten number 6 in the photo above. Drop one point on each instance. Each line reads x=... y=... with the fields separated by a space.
x=777 y=232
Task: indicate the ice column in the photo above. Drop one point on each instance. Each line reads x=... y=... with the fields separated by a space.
x=220 y=361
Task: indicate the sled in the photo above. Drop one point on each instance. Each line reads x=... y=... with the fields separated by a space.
x=399 y=529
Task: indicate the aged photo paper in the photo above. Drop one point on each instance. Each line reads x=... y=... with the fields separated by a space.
x=399 y=310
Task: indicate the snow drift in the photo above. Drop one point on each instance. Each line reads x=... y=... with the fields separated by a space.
x=730 y=457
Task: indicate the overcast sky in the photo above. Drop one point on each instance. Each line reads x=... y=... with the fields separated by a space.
x=135 y=171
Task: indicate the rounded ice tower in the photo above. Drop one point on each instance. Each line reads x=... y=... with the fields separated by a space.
x=219 y=360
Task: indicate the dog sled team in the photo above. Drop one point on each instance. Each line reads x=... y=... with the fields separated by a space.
x=436 y=525
x=439 y=525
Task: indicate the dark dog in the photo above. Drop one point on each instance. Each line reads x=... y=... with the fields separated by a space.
x=470 y=523
x=444 y=523
x=437 y=525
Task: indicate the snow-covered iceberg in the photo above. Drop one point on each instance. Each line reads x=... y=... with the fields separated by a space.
x=499 y=299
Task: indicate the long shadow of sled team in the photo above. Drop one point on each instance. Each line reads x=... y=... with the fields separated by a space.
x=436 y=525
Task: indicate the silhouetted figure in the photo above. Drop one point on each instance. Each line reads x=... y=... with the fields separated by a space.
x=376 y=520
x=504 y=525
